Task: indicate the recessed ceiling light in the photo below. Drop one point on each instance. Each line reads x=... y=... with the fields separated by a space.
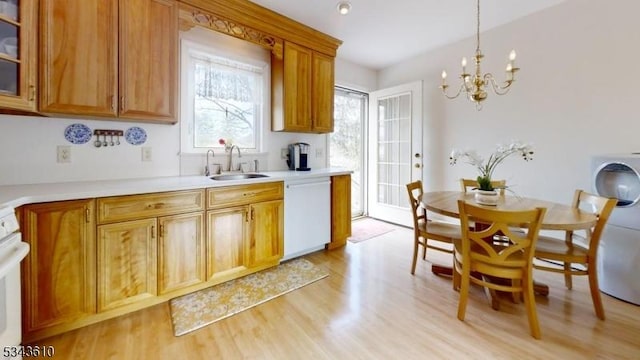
x=344 y=7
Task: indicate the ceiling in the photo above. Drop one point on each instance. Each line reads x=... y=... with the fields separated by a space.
x=380 y=33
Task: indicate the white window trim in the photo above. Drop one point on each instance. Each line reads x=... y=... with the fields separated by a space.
x=187 y=95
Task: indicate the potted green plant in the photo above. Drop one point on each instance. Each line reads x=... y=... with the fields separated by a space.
x=485 y=193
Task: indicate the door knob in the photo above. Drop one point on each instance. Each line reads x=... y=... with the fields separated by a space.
x=417 y=155
x=417 y=166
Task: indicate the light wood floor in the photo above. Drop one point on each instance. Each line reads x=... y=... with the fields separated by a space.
x=370 y=307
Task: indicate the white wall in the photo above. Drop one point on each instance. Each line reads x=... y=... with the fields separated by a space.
x=28 y=146
x=574 y=97
x=354 y=76
x=28 y=152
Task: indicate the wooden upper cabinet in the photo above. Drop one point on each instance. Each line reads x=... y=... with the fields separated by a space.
x=302 y=90
x=18 y=67
x=107 y=58
x=79 y=57
x=323 y=84
x=297 y=87
x=148 y=59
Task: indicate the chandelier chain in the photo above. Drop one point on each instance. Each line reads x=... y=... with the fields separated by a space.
x=478 y=25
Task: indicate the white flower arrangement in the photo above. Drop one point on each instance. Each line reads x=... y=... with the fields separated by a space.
x=487 y=168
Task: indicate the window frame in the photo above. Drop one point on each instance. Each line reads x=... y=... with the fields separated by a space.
x=225 y=50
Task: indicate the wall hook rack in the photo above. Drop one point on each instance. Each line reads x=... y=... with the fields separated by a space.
x=104 y=134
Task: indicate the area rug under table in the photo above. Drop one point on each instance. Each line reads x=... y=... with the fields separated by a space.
x=201 y=308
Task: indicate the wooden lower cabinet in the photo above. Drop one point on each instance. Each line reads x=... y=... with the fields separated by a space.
x=244 y=238
x=127 y=263
x=267 y=233
x=89 y=262
x=226 y=234
x=59 y=273
x=340 y=210
x=181 y=252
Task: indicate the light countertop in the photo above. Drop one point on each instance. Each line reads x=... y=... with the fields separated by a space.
x=17 y=195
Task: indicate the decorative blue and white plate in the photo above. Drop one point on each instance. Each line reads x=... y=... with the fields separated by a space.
x=77 y=133
x=135 y=135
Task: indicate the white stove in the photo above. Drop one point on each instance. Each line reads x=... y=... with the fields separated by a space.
x=12 y=251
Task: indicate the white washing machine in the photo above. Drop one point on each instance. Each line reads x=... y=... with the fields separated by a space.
x=618 y=176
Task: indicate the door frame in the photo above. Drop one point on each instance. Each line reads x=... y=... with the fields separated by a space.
x=395 y=214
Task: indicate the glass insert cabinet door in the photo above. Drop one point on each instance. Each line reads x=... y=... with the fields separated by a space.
x=17 y=51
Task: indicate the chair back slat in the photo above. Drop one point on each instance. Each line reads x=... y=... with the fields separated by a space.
x=491 y=222
x=602 y=207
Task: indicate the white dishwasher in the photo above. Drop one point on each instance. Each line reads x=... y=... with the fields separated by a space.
x=307 y=215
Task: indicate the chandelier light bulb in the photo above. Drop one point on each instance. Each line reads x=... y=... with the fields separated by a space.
x=344 y=7
x=509 y=67
x=444 y=75
x=512 y=55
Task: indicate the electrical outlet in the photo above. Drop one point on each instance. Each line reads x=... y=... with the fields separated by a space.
x=319 y=152
x=284 y=153
x=64 y=153
x=146 y=153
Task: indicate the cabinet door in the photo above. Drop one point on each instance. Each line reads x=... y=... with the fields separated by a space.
x=297 y=88
x=266 y=239
x=148 y=59
x=323 y=85
x=226 y=234
x=340 y=210
x=18 y=61
x=181 y=253
x=58 y=274
x=127 y=263
x=78 y=57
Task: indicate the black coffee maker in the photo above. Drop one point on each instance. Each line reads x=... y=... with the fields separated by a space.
x=298 y=154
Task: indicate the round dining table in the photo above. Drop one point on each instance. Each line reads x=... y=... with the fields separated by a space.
x=558 y=216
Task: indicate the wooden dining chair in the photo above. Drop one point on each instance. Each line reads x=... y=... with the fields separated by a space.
x=577 y=249
x=468 y=184
x=501 y=267
x=426 y=229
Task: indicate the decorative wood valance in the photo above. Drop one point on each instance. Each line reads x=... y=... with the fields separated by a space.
x=190 y=17
x=245 y=14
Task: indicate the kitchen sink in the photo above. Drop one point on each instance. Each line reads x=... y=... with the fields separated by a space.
x=238 y=176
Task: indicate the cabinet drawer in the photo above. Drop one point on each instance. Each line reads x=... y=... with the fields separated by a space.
x=118 y=208
x=243 y=194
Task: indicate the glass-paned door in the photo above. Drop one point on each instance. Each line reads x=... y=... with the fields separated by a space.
x=395 y=149
x=346 y=143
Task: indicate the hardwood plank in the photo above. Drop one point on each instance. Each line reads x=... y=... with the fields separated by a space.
x=370 y=307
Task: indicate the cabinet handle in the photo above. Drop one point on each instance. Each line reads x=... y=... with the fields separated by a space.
x=121 y=103
x=113 y=102
x=252 y=212
x=153 y=231
x=246 y=216
x=87 y=215
x=32 y=93
x=161 y=234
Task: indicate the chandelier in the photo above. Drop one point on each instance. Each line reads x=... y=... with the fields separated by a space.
x=474 y=85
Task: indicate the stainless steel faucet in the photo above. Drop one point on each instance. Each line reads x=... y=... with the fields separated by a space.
x=207 y=168
x=231 y=156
